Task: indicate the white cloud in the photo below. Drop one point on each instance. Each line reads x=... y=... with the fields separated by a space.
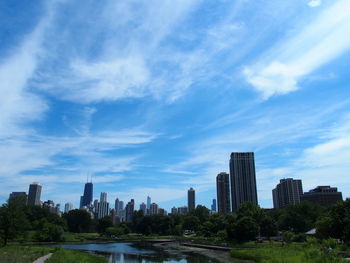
x=314 y=3
x=325 y=39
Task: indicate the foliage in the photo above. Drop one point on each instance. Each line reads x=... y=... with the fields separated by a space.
x=293 y=253
x=21 y=254
x=78 y=221
x=71 y=256
x=12 y=219
x=103 y=224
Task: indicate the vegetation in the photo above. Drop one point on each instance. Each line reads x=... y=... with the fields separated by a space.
x=23 y=223
x=72 y=256
x=21 y=254
x=289 y=253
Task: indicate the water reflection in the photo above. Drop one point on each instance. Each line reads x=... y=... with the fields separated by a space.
x=129 y=253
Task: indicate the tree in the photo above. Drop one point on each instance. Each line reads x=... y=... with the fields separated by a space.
x=12 y=219
x=49 y=232
x=201 y=212
x=78 y=221
x=245 y=229
x=191 y=223
x=104 y=223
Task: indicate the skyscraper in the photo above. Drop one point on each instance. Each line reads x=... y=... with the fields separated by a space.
x=86 y=199
x=243 y=181
x=213 y=205
x=116 y=206
x=153 y=209
x=143 y=208
x=129 y=210
x=34 y=194
x=148 y=202
x=103 y=206
x=287 y=192
x=323 y=196
x=68 y=207
x=223 y=192
x=191 y=199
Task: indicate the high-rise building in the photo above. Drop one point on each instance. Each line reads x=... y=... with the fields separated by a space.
x=129 y=210
x=182 y=210
x=174 y=210
x=223 y=192
x=191 y=199
x=287 y=192
x=148 y=202
x=242 y=177
x=323 y=196
x=143 y=208
x=19 y=196
x=86 y=198
x=153 y=209
x=34 y=194
x=121 y=205
x=103 y=206
x=116 y=206
x=68 y=207
x=213 y=205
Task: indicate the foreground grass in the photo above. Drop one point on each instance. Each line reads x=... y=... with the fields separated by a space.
x=71 y=256
x=291 y=253
x=22 y=254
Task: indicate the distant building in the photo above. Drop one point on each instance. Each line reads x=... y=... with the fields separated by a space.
x=162 y=211
x=287 y=192
x=68 y=207
x=213 y=205
x=50 y=205
x=103 y=206
x=223 y=192
x=116 y=206
x=148 y=202
x=86 y=198
x=153 y=209
x=34 y=194
x=174 y=210
x=243 y=179
x=121 y=205
x=22 y=196
x=323 y=196
x=129 y=210
x=191 y=199
x=182 y=210
x=143 y=208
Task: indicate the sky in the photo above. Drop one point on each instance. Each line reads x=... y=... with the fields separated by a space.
x=150 y=97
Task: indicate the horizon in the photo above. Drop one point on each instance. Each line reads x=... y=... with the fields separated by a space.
x=150 y=99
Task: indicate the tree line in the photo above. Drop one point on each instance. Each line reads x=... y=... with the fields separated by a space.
x=21 y=222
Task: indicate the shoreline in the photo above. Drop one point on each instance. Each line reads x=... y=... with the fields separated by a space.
x=174 y=248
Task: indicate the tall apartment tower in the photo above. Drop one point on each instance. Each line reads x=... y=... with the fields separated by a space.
x=213 y=205
x=148 y=202
x=68 y=207
x=86 y=198
x=243 y=181
x=34 y=194
x=287 y=192
x=223 y=193
x=103 y=206
x=129 y=210
x=191 y=199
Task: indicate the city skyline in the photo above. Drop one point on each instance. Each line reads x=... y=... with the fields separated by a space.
x=151 y=99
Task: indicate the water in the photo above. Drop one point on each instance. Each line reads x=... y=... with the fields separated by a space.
x=130 y=253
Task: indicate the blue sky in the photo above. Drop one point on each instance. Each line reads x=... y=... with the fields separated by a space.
x=151 y=97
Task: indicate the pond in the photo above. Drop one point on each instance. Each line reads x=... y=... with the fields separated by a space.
x=132 y=253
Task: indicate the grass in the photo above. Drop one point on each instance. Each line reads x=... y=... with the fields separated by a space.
x=291 y=253
x=22 y=254
x=72 y=256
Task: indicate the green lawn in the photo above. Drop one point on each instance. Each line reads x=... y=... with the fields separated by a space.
x=291 y=253
x=72 y=256
x=22 y=254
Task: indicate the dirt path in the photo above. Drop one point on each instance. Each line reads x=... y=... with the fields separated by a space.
x=43 y=259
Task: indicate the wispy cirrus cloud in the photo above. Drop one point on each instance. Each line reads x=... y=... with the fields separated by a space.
x=324 y=39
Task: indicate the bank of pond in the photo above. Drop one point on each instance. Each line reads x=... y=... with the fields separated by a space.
x=125 y=252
